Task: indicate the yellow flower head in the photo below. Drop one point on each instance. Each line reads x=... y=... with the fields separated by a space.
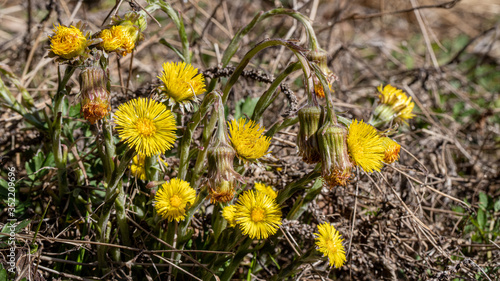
x=394 y=106
x=181 y=84
x=119 y=38
x=248 y=139
x=365 y=146
x=228 y=213
x=173 y=198
x=329 y=242
x=266 y=189
x=146 y=125
x=138 y=166
x=392 y=149
x=67 y=42
x=257 y=215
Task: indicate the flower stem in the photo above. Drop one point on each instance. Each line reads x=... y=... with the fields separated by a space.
x=267 y=98
x=261 y=46
x=188 y=134
x=60 y=152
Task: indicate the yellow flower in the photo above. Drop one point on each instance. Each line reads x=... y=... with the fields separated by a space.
x=266 y=189
x=181 y=84
x=173 y=198
x=138 y=166
x=146 y=125
x=394 y=106
x=257 y=215
x=365 y=146
x=228 y=213
x=67 y=42
x=329 y=242
x=248 y=139
x=392 y=149
x=118 y=38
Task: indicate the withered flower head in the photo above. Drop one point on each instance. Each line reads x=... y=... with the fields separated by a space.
x=335 y=162
x=310 y=120
x=94 y=94
x=222 y=179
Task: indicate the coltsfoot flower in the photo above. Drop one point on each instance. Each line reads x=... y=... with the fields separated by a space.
x=228 y=213
x=336 y=166
x=394 y=106
x=392 y=149
x=310 y=120
x=365 y=146
x=266 y=189
x=329 y=242
x=118 y=39
x=68 y=43
x=146 y=126
x=248 y=139
x=173 y=198
x=181 y=84
x=94 y=94
x=138 y=166
x=257 y=215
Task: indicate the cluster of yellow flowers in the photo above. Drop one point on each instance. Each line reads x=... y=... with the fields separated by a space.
x=339 y=149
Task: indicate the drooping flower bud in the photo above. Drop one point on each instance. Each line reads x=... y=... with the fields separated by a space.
x=394 y=106
x=319 y=56
x=310 y=120
x=392 y=149
x=336 y=165
x=94 y=94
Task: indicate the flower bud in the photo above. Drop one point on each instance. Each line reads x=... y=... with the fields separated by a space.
x=94 y=94
x=319 y=56
x=310 y=119
x=335 y=162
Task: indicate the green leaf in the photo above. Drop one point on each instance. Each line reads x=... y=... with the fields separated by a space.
x=481 y=219
x=483 y=201
x=74 y=111
x=245 y=107
x=496 y=207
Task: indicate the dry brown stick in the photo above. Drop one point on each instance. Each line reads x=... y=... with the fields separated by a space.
x=447 y=5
